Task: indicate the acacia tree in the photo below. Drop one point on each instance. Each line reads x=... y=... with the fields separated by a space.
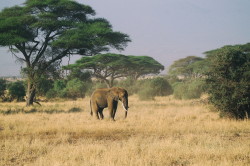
x=41 y=33
x=143 y=65
x=187 y=67
x=106 y=67
x=109 y=67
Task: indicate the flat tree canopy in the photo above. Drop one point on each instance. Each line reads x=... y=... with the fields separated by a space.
x=143 y=65
x=186 y=67
x=41 y=32
x=109 y=67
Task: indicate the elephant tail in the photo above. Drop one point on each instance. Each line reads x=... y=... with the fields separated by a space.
x=91 y=113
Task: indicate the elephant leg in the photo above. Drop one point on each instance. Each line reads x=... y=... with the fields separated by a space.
x=95 y=110
x=101 y=113
x=96 y=114
x=114 y=108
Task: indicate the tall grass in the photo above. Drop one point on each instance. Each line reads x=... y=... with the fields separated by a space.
x=160 y=132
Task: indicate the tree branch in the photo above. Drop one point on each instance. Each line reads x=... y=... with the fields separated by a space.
x=63 y=54
x=21 y=47
x=42 y=49
x=34 y=47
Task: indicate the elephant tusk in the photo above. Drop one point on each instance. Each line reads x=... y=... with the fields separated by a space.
x=124 y=107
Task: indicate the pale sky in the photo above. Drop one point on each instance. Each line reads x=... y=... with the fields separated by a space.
x=166 y=30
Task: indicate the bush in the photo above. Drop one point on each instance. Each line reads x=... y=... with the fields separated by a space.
x=58 y=90
x=69 y=89
x=3 y=86
x=228 y=81
x=192 y=89
x=129 y=84
x=179 y=90
x=76 y=88
x=93 y=85
x=153 y=87
x=146 y=91
x=161 y=87
x=51 y=94
x=44 y=86
x=16 y=91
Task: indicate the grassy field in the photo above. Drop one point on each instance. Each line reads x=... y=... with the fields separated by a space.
x=160 y=132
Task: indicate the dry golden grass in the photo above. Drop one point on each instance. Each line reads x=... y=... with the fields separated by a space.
x=160 y=132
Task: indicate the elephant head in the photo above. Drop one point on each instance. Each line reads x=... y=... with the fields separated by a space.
x=122 y=95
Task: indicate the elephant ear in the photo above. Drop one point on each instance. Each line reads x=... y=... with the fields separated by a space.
x=113 y=94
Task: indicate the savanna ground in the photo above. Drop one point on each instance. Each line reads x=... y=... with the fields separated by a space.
x=160 y=132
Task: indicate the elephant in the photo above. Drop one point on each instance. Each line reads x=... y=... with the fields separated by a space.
x=108 y=97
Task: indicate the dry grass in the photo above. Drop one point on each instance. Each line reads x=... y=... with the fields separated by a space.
x=160 y=132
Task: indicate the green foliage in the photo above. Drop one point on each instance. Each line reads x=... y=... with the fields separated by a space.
x=161 y=87
x=76 y=88
x=59 y=85
x=150 y=88
x=44 y=85
x=129 y=84
x=105 y=67
x=84 y=76
x=16 y=90
x=228 y=80
x=142 y=65
x=58 y=90
x=189 y=67
x=186 y=77
x=191 y=89
x=51 y=94
x=108 y=67
x=3 y=86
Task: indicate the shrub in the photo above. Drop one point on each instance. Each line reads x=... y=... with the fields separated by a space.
x=44 y=86
x=129 y=84
x=16 y=90
x=3 y=86
x=161 y=87
x=58 y=90
x=228 y=81
x=192 y=89
x=153 y=87
x=51 y=94
x=179 y=90
x=76 y=88
x=146 y=91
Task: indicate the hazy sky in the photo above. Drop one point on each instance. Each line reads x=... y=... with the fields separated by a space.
x=165 y=29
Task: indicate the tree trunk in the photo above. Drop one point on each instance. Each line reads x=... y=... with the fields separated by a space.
x=31 y=93
x=107 y=82
x=111 y=82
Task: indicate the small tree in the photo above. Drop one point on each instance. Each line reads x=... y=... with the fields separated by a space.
x=44 y=85
x=76 y=88
x=191 y=89
x=16 y=90
x=154 y=87
x=3 y=86
x=228 y=80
